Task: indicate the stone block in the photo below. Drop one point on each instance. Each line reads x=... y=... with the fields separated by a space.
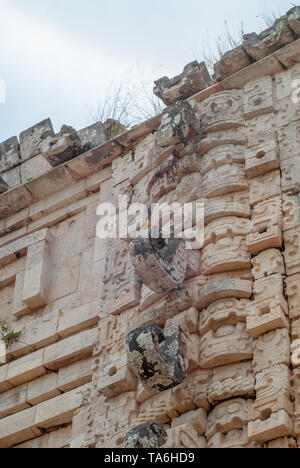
x=227 y=416
x=272 y=238
x=263 y=187
x=195 y=78
x=13 y=401
x=226 y=227
x=184 y=437
x=222 y=111
x=188 y=318
x=18 y=428
x=214 y=290
x=217 y=209
x=267 y=263
x=228 y=345
x=221 y=313
x=115 y=377
x=12 y=178
x=178 y=124
x=197 y=419
x=75 y=375
x=277 y=425
x=70 y=350
x=231 y=62
x=226 y=254
x=31 y=139
x=235 y=439
x=231 y=381
x=261 y=159
x=291 y=211
x=25 y=369
x=271 y=349
x=290 y=169
x=259 y=97
x=92 y=136
x=34 y=168
x=225 y=179
x=42 y=389
x=19 y=307
x=268 y=288
x=292 y=251
x=293 y=293
x=60 y=410
x=77 y=320
x=220 y=155
x=269 y=41
x=37 y=276
x=273 y=390
x=267 y=315
x=9 y=154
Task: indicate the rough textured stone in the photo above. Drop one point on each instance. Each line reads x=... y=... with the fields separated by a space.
x=31 y=139
x=178 y=124
x=195 y=78
x=160 y=263
x=9 y=154
x=231 y=62
x=150 y=435
x=64 y=146
x=157 y=358
x=260 y=45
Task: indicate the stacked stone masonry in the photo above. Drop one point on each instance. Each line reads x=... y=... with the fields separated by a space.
x=221 y=324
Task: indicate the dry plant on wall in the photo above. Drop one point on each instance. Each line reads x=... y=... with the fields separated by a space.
x=229 y=39
x=129 y=102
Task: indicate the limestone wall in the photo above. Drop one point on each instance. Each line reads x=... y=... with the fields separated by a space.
x=76 y=298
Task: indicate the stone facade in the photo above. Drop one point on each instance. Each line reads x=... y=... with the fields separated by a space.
x=140 y=343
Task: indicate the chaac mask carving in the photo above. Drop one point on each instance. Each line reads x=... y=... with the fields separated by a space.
x=157 y=357
x=149 y=435
x=160 y=263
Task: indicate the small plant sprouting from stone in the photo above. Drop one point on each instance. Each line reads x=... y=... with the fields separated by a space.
x=8 y=335
x=60 y=313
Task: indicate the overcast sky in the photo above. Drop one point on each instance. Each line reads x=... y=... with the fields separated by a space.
x=59 y=57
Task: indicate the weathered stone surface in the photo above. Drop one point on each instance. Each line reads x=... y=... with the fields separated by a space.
x=267 y=315
x=160 y=263
x=267 y=263
x=224 y=154
x=271 y=349
x=260 y=45
x=228 y=345
x=150 y=435
x=229 y=415
x=277 y=425
x=226 y=254
x=195 y=78
x=273 y=390
x=157 y=357
x=185 y=437
x=178 y=124
x=293 y=293
x=92 y=136
x=293 y=17
x=3 y=186
x=222 y=111
x=224 y=312
x=31 y=139
x=64 y=146
x=214 y=290
x=234 y=380
x=9 y=154
x=235 y=439
x=231 y=62
x=261 y=159
x=259 y=97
